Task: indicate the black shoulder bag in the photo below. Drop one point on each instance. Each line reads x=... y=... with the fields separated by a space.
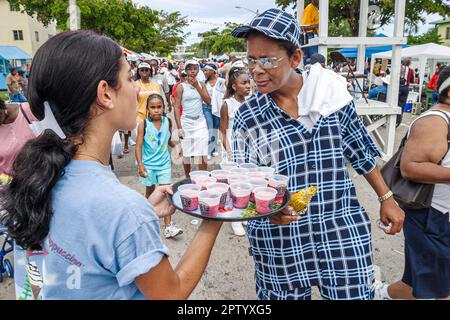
x=407 y=193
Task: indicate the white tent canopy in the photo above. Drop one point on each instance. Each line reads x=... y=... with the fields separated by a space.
x=423 y=53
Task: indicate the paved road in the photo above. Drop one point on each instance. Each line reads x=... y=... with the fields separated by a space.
x=230 y=273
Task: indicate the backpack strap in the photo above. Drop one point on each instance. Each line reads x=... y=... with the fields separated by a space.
x=24 y=114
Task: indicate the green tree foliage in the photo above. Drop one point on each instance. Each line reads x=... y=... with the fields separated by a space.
x=138 y=28
x=218 y=42
x=430 y=36
x=348 y=11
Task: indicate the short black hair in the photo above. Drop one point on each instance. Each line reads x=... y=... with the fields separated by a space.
x=284 y=44
x=444 y=75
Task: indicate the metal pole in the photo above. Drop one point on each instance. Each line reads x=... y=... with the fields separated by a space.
x=363 y=15
x=324 y=6
x=74 y=21
x=300 y=9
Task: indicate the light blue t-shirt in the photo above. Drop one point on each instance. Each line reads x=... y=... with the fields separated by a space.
x=102 y=236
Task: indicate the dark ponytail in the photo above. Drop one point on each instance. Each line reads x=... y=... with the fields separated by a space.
x=233 y=75
x=66 y=72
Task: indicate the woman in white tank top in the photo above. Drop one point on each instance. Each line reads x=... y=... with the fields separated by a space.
x=426 y=159
x=238 y=87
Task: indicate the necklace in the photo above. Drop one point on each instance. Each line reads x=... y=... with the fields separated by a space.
x=88 y=155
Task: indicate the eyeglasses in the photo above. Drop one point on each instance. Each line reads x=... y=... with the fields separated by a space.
x=264 y=63
x=144 y=70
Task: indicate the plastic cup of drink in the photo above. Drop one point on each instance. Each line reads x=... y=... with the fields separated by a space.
x=189 y=196
x=220 y=175
x=236 y=178
x=268 y=171
x=203 y=181
x=240 y=192
x=209 y=201
x=256 y=183
x=264 y=199
x=240 y=171
x=249 y=166
x=228 y=165
x=195 y=175
x=279 y=182
x=222 y=188
x=256 y=174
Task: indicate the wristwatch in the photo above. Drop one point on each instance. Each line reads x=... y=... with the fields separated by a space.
x=386 y=196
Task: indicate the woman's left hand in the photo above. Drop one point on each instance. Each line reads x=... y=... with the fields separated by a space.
x=391 y=213
x=158 y=200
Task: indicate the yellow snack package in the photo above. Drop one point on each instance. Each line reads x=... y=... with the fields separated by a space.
x=302 y=198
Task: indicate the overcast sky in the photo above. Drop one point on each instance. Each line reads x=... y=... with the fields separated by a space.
x=214 y=13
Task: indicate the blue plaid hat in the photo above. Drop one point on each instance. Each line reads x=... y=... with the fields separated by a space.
x=274 y=23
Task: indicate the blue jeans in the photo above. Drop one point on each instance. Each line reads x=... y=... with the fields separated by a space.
x=309 y=51
x=213 y=123
x=17 y=97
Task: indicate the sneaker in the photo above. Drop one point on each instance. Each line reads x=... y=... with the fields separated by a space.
x=238 y=229
x=171 y=231
x=381 y=290
x=209 y=158
x=215 y=154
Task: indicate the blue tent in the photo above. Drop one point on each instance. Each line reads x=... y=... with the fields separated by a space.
x=9 y=55
x=353 y=52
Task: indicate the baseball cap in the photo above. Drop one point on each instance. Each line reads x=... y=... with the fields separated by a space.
x=144 y=65
x=193 y=62
x=273 y=23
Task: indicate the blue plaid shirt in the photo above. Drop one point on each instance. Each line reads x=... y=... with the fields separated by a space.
x=331 y=244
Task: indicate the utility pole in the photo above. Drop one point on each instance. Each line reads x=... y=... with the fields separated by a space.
x=74 y=15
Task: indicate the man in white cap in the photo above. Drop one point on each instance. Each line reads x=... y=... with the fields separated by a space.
x=192 y=127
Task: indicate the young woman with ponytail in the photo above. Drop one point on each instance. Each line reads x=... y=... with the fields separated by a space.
x=80 y=233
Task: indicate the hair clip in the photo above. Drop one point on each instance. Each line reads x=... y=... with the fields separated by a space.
x=49 y=122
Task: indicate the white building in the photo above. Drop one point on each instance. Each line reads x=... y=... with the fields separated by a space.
x=20 y=30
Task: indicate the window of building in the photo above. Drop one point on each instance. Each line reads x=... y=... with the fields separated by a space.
x=448 y=33
x=18 y=35
x=14 y=7
x=36 y=35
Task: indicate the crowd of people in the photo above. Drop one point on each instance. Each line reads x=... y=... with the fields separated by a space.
x=81 y=234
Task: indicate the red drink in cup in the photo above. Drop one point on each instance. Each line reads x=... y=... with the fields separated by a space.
x=196 y=175
x=280 y=183
x=209 y=201
x=265 y=199
x=222 y=188
x=203 y=181
x=189 y=196
x=240 y=193
x=256 y=183
x=220 y=175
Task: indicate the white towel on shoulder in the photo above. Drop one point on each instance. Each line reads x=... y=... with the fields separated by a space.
x=323 y=93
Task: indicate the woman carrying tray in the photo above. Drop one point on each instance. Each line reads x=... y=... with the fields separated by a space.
x=306 y=126
x=79 y=233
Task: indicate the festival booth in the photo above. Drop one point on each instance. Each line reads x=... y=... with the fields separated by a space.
x=386 y=113
x=352 y=53
x=11 y=56
x=430 y=53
